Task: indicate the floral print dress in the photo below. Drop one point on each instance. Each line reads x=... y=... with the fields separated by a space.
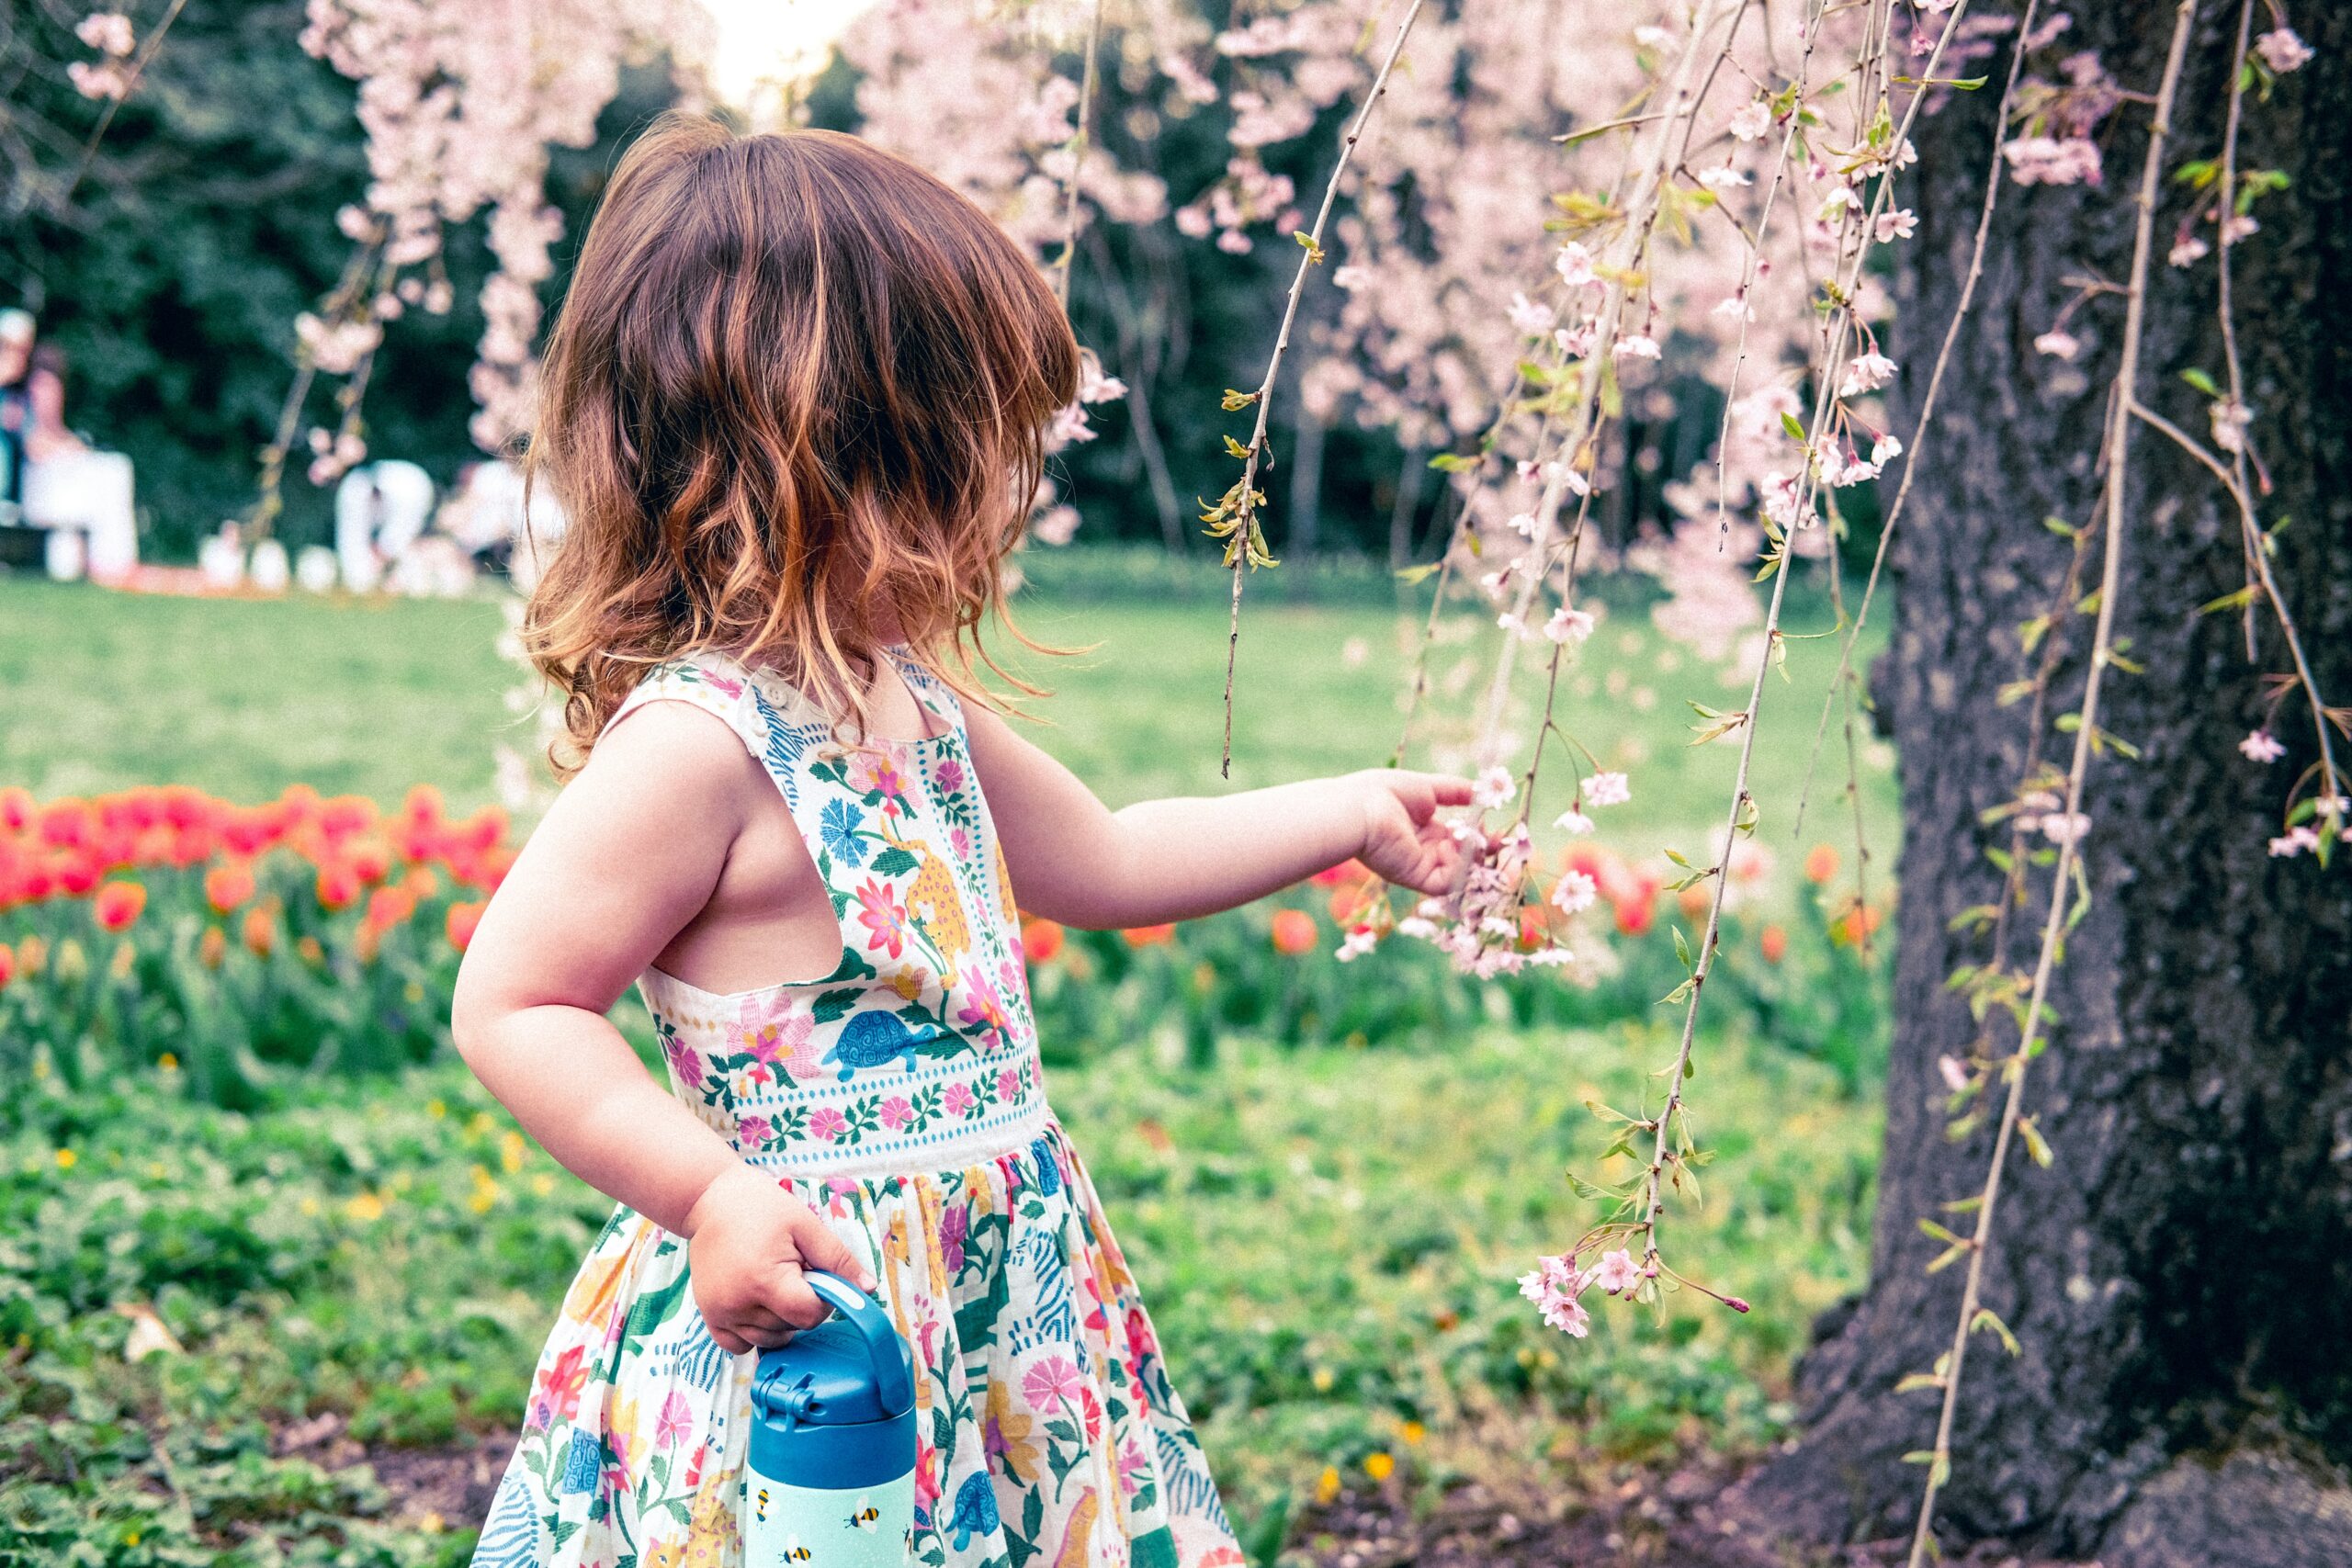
x=900 y=1096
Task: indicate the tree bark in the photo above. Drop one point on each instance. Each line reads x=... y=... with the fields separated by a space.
x=2180 y=1278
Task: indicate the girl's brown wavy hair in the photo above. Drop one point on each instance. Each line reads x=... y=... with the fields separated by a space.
x=795 y=398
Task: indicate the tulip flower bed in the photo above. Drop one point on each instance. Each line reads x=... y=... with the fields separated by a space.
x=234 y=945
x=242 y=945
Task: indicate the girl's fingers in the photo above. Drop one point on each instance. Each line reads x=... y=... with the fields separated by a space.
x=1448 y=790
x=786 y=1294
x=820 y=1248
x=760 y=1329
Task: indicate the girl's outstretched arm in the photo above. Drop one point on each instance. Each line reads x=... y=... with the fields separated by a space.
x=628 y=855
x=1076 y=861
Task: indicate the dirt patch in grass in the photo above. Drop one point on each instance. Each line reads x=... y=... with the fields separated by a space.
x=1673 y=1518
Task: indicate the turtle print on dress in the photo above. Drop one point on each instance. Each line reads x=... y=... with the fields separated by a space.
x=900 y=1096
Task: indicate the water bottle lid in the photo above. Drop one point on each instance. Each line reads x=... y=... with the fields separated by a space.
x=851 y=1369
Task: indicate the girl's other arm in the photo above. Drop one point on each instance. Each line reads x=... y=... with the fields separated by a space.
x=1076 y=861
x=628 y=855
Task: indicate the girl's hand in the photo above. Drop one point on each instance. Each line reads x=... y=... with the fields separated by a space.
x=747 y=1242
x=1402 y=841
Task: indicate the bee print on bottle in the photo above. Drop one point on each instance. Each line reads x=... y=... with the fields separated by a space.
x=793 y=1552
x=760 y=1505
x=867 y=1518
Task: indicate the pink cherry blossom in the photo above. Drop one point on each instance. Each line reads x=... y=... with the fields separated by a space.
x=1606 y=789
x=2261 y=746
x=2282 y=50
x=1616 y=1272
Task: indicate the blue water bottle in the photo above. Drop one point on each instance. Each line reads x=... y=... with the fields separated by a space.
x=831 y=1480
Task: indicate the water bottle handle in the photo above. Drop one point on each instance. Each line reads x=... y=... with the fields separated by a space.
x=892 y=1384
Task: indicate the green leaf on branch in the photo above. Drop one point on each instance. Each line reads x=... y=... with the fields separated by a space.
x=1988 y=1321
x=2202 y=381
x=1416 y=574
x=1453 y=463
x=1236 y=402
x=2037 y=1147
x=1313 y=250
x=1789 y=423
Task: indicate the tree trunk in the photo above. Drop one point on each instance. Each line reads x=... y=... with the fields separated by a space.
x=2180 y=1277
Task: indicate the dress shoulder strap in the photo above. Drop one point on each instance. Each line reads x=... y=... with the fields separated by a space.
x=929 y=689
x=708 y=682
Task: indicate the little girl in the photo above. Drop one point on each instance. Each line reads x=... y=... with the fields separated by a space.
x=794 y=404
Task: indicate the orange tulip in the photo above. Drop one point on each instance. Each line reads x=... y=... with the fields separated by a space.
x=8 y=965
x=1775 y=943
x=423 y=804
x=389 y=906
x=1149 y=936
x=460 y=922
x=260 y=933
x=1693 y=901
x=1040 y=940
x=1821 y=865
x=1295 y=932
x=118 y=904
x=213 y=948
x=227 y=885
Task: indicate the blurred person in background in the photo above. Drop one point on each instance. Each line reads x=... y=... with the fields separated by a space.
x=380 y=509
x=16 y=331
x=82 y=496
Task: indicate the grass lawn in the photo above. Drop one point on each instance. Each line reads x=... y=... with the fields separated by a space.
x=243 y=697
x=370 y=1275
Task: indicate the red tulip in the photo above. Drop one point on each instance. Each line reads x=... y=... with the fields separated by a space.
x=118 y=904
x=1040 y=940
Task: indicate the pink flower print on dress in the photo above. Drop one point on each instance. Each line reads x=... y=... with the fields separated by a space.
x=1008 y=1086
x=882 y=915
x=961 y=843
x=954 y=1226
x=753 y=1133
x=1131 y=1466
x=685 y=1061
x=981 y=1010
x=877 y=773
x=726 y=686
x=1053 y=1381
x=959 y=1100
x=777 y=1035
x=950 y=774
x=827 y=1124
x=676 y=1421
x=896 y=1112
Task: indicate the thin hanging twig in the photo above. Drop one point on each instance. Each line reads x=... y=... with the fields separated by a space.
x=2115 y=448
x=1235 y=517
x=1075 y=149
